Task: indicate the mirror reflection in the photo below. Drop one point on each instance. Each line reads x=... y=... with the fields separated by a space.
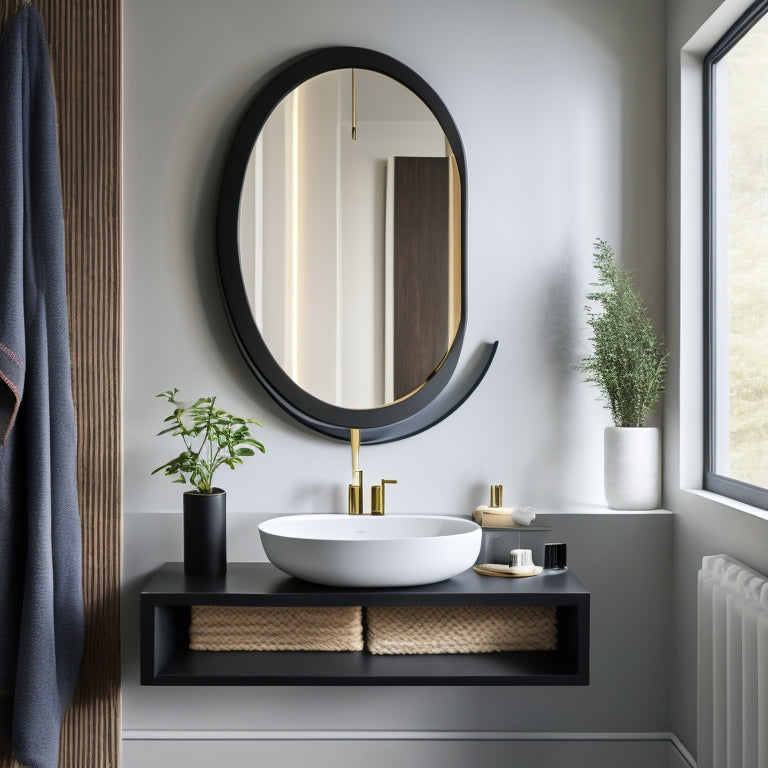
x=350 y=248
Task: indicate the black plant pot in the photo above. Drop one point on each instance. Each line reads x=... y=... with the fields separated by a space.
x=205 y=533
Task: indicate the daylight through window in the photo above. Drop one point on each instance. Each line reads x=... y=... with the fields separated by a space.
x=736 y=141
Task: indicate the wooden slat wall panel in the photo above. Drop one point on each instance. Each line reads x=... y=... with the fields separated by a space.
x=84 y=38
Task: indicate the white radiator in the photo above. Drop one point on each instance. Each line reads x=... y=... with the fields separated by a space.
x=733 y=665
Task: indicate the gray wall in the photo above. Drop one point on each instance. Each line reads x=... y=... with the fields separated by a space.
x=703 y=523
x=560 y=104
x=456 y=753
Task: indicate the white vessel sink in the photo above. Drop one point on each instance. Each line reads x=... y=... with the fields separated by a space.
x=368 y=551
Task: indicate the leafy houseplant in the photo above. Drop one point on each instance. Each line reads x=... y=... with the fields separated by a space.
x=628 y=365
x=212 y=438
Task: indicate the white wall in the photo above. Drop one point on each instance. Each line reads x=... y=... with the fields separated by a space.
x=704 y=524
x=560 y=104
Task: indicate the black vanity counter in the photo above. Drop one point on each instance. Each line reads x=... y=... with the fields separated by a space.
x=167 y=660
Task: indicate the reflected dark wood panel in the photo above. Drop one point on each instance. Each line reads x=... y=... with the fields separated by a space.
x=421 y=269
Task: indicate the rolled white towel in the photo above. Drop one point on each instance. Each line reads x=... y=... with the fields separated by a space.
x=504 y=517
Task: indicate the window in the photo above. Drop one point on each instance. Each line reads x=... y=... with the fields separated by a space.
x=736 y=239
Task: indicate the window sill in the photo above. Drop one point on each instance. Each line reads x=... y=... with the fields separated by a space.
x=728 y=502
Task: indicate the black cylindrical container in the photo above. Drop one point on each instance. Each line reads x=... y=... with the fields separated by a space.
x=555 y=556
x=205 y=533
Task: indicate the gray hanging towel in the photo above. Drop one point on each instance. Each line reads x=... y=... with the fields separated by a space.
x=41 y=605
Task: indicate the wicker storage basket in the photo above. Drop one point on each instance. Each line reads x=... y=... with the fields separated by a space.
x=284 y=628
x=394 y=630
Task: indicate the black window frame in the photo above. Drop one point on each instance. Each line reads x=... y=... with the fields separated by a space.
x=726 y=486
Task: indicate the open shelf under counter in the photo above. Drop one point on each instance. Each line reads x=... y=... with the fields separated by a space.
x=166 y=658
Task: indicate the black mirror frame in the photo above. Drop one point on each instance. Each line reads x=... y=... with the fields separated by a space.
x=381 y=424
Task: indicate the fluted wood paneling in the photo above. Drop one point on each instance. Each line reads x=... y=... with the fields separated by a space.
x=84 y=39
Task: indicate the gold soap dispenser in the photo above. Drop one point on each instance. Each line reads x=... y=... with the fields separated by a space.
x=495 y=515
x=497 y=494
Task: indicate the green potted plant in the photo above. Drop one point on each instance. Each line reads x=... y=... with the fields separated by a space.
x=212 y=439
x=628 y=365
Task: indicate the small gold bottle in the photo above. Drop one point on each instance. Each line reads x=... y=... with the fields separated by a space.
x=494 y=515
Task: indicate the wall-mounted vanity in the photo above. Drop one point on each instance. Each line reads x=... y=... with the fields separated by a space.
x=166 y=658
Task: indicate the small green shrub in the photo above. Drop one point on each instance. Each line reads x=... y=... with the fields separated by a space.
x=629 y=359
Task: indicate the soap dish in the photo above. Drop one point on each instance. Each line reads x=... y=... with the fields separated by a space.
x=509 y=571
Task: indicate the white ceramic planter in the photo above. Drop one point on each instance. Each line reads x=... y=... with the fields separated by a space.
x=632 y=467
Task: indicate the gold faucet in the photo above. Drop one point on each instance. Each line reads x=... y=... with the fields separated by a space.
x=377 y=497
x=356 y=486
x=355 y=499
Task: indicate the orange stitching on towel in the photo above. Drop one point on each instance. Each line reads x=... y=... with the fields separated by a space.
x=16 y=359
x=15 y=391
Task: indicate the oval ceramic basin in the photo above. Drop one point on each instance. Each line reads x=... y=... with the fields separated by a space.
x=367 y=551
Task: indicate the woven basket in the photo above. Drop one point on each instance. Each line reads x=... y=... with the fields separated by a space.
x=283 y=628
x=396 y=630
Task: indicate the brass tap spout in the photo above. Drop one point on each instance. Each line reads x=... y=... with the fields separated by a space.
x=355 y=500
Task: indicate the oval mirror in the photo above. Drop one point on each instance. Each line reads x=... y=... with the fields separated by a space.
x=341 y=234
